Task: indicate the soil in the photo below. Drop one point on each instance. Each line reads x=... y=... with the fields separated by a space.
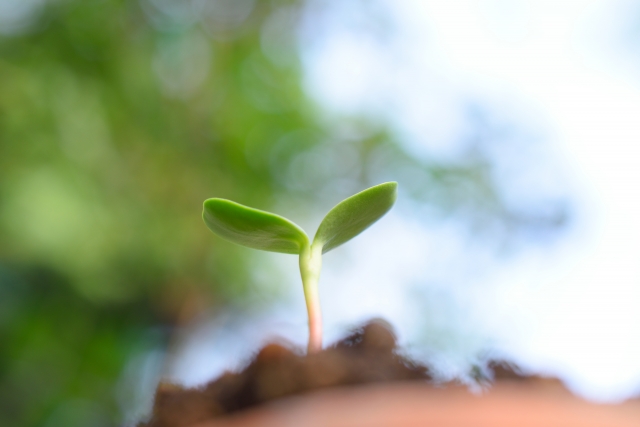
x=368 y=355
x=362 y=380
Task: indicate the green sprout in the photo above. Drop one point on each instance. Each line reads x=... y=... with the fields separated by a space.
x=270 y=232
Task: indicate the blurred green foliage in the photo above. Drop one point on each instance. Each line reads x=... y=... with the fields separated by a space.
x=117 y=119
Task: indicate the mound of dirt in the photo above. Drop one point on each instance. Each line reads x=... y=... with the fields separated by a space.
x=368 y=355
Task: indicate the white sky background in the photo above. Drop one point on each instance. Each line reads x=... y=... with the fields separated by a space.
x=560 y=69
x=560 y=66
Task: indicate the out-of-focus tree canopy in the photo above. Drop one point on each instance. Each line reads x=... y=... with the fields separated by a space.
x=117 y=119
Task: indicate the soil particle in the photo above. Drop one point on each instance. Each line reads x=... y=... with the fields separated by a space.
x=368 y=355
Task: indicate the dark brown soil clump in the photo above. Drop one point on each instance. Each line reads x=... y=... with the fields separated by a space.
x=368 y=355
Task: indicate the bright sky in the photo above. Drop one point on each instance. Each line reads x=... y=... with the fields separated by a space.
x=562 y=71
x=557 y=66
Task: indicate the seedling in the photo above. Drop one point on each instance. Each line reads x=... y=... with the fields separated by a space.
x=270 y=232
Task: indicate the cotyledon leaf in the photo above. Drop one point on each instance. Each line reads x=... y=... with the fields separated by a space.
x=355 y=214
x=252 y=227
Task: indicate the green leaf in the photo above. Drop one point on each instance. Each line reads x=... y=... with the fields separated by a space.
x=354 y=215
x=252 y=227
